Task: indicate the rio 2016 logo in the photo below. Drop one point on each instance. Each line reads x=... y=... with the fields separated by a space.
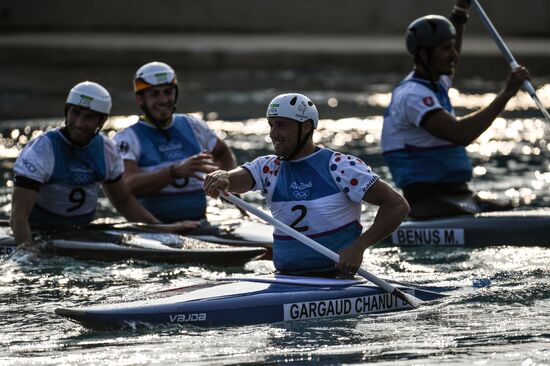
x=85 y=100
x=161 y=77
x=273 y=109
x=301 y=190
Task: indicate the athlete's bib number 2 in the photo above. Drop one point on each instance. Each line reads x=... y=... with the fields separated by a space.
x=303 y=213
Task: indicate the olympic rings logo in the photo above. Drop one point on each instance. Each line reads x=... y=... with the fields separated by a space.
x=301 y=195
x=82 y=178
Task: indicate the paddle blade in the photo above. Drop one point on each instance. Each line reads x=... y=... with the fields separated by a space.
x=411 y=300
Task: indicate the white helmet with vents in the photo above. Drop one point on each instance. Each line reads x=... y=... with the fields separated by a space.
x=294 y=106
x=154 y=74
x=92 y=96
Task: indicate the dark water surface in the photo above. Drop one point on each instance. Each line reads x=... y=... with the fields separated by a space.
x=498 y=314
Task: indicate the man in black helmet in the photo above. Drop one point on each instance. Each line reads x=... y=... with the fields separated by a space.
x=423 y=142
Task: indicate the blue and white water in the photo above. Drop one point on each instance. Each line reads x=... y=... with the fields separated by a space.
x=498 y=312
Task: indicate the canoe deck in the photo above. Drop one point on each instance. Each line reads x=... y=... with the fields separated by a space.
x=236 y=232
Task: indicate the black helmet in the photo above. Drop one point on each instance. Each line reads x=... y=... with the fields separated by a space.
x=428 y=31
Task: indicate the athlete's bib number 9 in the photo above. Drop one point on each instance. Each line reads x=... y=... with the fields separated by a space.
x=78 y=197
x=303 y=213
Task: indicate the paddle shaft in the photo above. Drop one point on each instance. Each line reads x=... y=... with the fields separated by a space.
x=413 y=301
x=527 y=86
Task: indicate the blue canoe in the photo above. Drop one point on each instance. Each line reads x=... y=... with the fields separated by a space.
x=247 y=301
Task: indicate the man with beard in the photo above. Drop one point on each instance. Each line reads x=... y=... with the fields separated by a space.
x=166 y=154
x=423 y=142
x=316 y=191
x=57 y=175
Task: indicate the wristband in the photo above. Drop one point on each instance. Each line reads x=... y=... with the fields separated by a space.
x=459 y=17
x=172 y=170
x=458 y=9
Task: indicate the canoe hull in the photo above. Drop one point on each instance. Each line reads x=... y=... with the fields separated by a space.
x=113 y=252
x=110 y=252
x=517 y=228
x=244 y=303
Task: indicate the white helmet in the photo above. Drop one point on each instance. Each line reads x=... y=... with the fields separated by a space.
x=92 y=96
x=153 y=74
x=294 y=106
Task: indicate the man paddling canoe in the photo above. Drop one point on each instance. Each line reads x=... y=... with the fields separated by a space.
x=316 y=191
x=423 y=142
x=165 y=154
x=57 y=175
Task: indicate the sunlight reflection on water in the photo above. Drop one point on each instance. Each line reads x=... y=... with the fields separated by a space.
x=515 y=147
x=505 y=323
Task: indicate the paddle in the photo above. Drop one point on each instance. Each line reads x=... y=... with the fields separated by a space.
x=527 y=86
x=411 y=300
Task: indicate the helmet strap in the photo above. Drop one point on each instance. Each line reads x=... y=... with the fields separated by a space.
x=149 y=118
x=426 y=64
x=300 y=143
x=160 y=126
x=96 y=132
x=100 y=125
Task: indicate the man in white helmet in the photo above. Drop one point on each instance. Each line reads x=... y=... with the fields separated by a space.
x=166 y=154
x=316 y=191
x=423 y=142
x=57 y=175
